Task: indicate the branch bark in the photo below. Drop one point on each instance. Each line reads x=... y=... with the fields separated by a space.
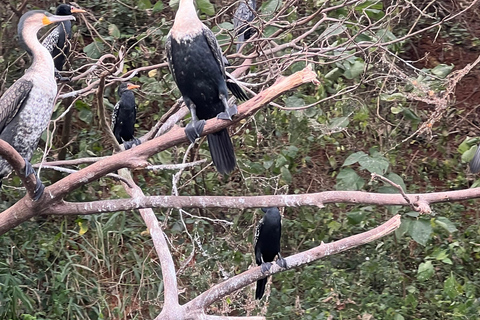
x=420 y=201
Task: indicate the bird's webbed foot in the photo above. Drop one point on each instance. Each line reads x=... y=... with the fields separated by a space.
x=39 y=187
x=266 y=266
x=129 y=144
x=281 y=261
x=228 y=113
x=194 y=129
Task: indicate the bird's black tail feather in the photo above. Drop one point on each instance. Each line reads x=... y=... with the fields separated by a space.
x=260 y=288
x=222 y=152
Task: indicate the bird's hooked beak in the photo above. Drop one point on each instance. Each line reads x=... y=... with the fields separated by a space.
x=131 y=86
x=76 y=10
x=51 y=18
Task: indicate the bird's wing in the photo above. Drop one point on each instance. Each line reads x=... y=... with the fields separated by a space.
x=168 y=49
x=52 y=39
x=115 y=114
x=214 y=47
x=258 y=253
x=12 y=100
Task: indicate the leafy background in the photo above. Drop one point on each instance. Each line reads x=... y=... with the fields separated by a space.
x=105 y=267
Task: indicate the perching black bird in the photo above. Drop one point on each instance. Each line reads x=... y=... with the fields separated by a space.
x=475 y=162
x=124 y=116
x=197 y=66
x=26 y=107
x=242 y=16
x=267 y=245
x=58 y=41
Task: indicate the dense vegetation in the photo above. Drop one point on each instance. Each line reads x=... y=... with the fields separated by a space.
x=383 y=106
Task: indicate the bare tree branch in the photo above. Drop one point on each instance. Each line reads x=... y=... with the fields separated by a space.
x=421 y=201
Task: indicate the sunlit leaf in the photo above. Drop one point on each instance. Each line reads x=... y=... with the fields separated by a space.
x=425 y=271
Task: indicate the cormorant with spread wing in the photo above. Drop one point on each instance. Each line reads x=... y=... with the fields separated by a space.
x=198 y=68
x=26 y=107
x=124 y=116
x=58 y=41
x=267 y=245
x=242 y=16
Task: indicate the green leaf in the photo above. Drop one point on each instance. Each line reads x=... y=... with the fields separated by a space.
x=144 y=4
x=420 y=231
x=270 y=6
x=446 y=224
x=451 y=287
x=206 y=7
x=393 y=97
x=354 y=158
x=468 y=155
x=398 y=316
x=377 y=164
x=357 y=216
x=113 y=31
x=410 y=115
x=338 y=123
x=396 y=110
x=425 y=271
x=94 y=50
x=174 y=4
x=355 y=70
x=158 y=7
x=333 y=30
x=294 y=102
x=286 y=175
x=442 y=70
x=348 y=179
x=467 y=143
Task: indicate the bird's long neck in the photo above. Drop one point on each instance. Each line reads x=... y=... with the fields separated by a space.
x=42 y=60
x=187 y=24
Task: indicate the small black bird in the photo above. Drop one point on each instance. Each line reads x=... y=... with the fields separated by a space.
x=242 y=16
x=124 y=116
x=26 y=107
x=475 y=162
x=198 y=68
x=267 y=245
x=58 y=41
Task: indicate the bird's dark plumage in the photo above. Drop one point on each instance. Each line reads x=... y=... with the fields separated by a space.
x=267 y=244
x=475 y=162
x=242 y=16
x=58 y=41
x=124 y=115
x=197 y=66
x=26 y=107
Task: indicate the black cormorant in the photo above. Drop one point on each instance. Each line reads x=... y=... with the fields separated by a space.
x=58 y=41
x=267 y=245
x=124 y=116
x=26 y=107
x=242 y=16
x=197 y=66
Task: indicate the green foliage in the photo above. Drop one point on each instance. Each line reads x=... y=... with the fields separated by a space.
x=104 y=266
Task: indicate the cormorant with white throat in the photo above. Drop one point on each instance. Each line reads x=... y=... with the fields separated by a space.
x=26 y=107
x=198 y=68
